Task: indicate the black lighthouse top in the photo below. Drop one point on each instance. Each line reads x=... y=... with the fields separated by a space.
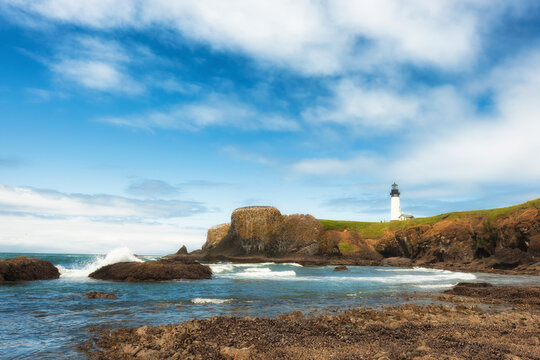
x=395 y=191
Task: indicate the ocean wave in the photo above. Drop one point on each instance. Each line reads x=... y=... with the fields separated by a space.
x=220 y=267
x=262 y=274
x=122 y=254
x=210 y=301
x=416 y=269
x=434 y=286
x=410 y=279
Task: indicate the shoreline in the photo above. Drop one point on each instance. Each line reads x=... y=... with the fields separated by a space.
x=471 y=267
x=433 y=331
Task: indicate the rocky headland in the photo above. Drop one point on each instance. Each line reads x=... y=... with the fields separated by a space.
x=505 y=240
x=160 y=270
x=23 y=268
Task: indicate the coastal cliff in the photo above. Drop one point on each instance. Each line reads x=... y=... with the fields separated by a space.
x=495 y=240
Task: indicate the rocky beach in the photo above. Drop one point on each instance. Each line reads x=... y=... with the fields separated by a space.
x=467 y=325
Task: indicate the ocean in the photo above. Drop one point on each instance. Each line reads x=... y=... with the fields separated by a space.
x=49 y=319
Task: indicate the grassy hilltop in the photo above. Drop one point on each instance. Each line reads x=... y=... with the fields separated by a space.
x=374 y=230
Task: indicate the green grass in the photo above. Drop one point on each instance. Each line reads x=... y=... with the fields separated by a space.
x=373 y=230
x=345 y=247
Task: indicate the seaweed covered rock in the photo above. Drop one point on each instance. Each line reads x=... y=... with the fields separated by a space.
x=152 y=271
x=23 y=268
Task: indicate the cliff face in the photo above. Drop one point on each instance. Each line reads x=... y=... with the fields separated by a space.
x=503 y=242
x=262 y=230
x=499 y=238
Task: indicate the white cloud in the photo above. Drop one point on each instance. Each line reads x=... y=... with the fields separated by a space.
x=49 y=203
x=151 y=188
x=46 y=220
x=311 y=36
x=451 y=143
x=213 y=111
x=84 y=236
x=245 y=155
x=96 y=64
x=354 y=105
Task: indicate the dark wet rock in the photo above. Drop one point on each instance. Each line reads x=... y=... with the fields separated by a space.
x=487 y=293
x=397 y=261
x=23 y=268
x=182 y=250
x=153 y=271
x=99 y=295
x=341 y=268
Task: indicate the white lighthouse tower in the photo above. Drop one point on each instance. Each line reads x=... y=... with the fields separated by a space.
x=395 y=206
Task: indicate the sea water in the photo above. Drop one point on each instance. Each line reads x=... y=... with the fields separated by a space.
x=49 y=319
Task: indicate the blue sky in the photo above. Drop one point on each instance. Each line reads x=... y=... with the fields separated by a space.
x=141 y=124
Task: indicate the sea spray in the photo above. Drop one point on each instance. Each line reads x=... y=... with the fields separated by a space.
x=122 y=254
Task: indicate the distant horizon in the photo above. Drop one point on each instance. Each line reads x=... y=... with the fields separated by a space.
x=142 y=124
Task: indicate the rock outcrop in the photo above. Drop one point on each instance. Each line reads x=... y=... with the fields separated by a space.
x=263 y=230
x=505 y=242
x=100 y=295
x=182 y=250
x=499 y=240
x=152 y=271
x=215 y=235
x=23 y=268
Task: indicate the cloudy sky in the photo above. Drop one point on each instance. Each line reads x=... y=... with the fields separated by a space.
x=142 y=123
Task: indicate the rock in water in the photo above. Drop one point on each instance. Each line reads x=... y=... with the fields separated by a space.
x=99 y=295
x=182 y=251
x=215 y=235
x=152 y=271
x=341 y=268
x=23 y=268
x=262 y=230
x=254 y=228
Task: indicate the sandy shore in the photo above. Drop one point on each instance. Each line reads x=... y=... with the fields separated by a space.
x=476 y=322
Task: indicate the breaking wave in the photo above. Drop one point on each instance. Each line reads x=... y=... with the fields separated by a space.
x=122 y=254
x=210 y=301
x=262 y=273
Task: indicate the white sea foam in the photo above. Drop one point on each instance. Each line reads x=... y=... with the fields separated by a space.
x=210 y=301
x=261 y=273
x=434 y=286
x=122 y=254
x=415 y=269
x=445 y=276
x=292 y=264
x=220 y=267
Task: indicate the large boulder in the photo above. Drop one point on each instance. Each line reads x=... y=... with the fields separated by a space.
x=23 y=268
x=152 y=271
x=215 y=235
x=254 y=228
x=182 y=250
x=299 y=234
x=262 y=230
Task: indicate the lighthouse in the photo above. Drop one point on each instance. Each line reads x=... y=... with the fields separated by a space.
x=395 y=206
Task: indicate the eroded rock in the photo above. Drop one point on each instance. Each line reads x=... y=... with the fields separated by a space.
x=99 y=295
x=23 y=268
x=152 y=271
